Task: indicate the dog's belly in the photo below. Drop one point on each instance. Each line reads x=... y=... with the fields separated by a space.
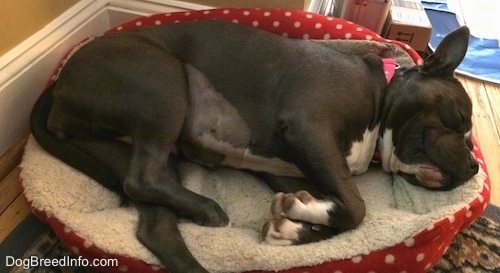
x=215 y=134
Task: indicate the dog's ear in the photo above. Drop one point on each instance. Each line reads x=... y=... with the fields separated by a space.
x=448 y=55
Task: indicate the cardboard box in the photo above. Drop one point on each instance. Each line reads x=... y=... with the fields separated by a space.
x=371 y=14
x=407 y=22
x=285 y=4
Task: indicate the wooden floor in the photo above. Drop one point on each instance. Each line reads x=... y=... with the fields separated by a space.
x=486 y=127
x=485 y=97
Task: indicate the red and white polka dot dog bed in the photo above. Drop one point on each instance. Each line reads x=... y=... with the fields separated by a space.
x=407 y=228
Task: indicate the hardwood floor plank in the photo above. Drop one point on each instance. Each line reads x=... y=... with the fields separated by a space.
x=485 y=132
x=12 y=157
x=9 y=189
x=13 y=215
x=493 y=93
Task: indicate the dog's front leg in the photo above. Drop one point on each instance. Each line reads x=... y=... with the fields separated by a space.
x=158 y=231
x=316 y=151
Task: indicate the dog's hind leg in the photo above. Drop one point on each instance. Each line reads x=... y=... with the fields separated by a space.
x=151 y=177
x=158 y=231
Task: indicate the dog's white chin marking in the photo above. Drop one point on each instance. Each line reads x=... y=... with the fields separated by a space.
x=361 y=152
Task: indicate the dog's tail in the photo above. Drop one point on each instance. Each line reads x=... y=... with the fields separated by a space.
x=104 y=161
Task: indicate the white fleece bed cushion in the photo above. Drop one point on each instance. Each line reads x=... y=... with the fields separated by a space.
x=406 y=228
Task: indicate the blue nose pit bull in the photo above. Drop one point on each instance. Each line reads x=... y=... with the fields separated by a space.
x=303 y=116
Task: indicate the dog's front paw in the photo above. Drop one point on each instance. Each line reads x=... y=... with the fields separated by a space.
x=288 y=232
x=280 y=232
x=302 y=206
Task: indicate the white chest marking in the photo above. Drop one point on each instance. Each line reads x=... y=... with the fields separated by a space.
x=361 y=152
x=386 y=148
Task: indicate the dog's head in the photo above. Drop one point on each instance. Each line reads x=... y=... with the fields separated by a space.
x=426 y=135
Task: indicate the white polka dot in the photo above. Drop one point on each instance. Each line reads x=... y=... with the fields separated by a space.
x=337 y=271
x=255 y=23
x=468 y=214
x=225 y=11
x=288 y=14
x=235 y=21
x=428 y=266
x=359 y=29
x=356 y=259
x=409 y=242
x=187 y=13
x=284 y=34
x=170 y=14
x=177 y=21
x=420 y=257
x=296 y=24
x=389 y=259
x=350 y=23
x=119 y=28
x=369 y=37
x=309 y=16
x=123 y=268
x=339 y=26
x=327 y=36
x=157 y=22
x=348 y=36
x=318 y=25
x=407 y=46
x=75 y=250
x=267 y=14
x=206 y=12
x=155 y=268
x=329 y=18
x=246 y=13
x=451 y=218
x=430 y=227
x=276 y=24
x=305 y=36
x=87 y=244
x=138 y=23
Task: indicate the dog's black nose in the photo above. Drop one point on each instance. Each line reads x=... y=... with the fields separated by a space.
x=474 y=166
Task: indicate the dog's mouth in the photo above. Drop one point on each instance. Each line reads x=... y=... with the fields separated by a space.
x=427 y=176
x=431 y=177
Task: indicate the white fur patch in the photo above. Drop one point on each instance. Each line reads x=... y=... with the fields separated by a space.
x=386 y=149
x=282 y=234
x=362 y=151
x=315 y=212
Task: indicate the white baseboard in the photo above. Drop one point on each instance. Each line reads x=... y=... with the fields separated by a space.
x=26 y=70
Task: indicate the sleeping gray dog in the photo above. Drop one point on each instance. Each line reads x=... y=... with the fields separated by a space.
x=305 y=117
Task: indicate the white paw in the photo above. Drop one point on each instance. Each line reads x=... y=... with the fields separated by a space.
x=281 y=232
x=302 y=206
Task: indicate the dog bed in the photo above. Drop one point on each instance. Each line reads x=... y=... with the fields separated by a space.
x=406 y=229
